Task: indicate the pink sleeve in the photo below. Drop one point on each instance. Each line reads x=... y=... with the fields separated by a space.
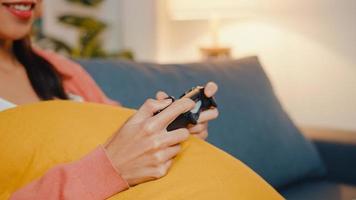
x=75 y=79
x=93 y=178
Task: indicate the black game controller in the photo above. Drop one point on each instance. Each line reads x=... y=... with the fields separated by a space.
x=202 y=103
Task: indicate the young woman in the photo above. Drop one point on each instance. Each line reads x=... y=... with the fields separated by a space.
x=137 y=153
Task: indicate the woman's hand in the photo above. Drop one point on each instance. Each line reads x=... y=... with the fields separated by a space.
x=142 y=150
x=200 y=130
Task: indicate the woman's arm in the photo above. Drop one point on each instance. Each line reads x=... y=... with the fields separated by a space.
x=93 y=178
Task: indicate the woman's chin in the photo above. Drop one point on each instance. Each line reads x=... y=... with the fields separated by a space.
x=12 y=28
x=15 y=35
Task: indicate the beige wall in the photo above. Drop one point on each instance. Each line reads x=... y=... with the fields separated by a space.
x=139 y=27
x=308 y=49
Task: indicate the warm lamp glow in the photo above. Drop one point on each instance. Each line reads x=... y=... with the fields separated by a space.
x=232 y=9
x=206 y=9
x=212 y=10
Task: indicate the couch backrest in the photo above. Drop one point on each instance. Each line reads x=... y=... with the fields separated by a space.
x=252 y=125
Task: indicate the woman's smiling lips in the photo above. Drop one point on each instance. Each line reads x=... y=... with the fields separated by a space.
x=20 y=9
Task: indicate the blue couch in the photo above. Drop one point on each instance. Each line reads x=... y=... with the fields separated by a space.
x=252 y=125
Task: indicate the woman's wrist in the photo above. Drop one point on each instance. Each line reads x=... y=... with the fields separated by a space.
x=98 y=174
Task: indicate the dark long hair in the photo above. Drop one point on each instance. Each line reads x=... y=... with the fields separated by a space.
x=45 y=81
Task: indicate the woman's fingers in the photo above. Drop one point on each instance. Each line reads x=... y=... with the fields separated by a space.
x=172 y=138
x=198 y=128
x=152 y=106
x=202 y=135
x=148 y=173
x=208 y=115
x=160 y=95
x=201 y=129
x=149 y=108
x=164 y=155
x=210 y=89
x=142 y=149
x=162 y=169
x=156 y=172
x=164 y=118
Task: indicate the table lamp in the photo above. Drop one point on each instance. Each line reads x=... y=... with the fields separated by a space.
x=212 y=10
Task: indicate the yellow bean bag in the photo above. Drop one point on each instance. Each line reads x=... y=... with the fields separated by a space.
x=34 y=138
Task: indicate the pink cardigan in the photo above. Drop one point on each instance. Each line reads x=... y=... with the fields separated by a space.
x=92 y=177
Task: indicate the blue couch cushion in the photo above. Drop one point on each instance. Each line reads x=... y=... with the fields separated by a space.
x=319 y=190
x=252 y=125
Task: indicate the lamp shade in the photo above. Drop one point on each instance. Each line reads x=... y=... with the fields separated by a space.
x=205 y=9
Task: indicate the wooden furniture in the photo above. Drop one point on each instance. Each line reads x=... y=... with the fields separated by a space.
x=324 y=134
x=216 y=53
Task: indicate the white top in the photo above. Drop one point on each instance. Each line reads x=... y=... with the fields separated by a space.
x=4 y=104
